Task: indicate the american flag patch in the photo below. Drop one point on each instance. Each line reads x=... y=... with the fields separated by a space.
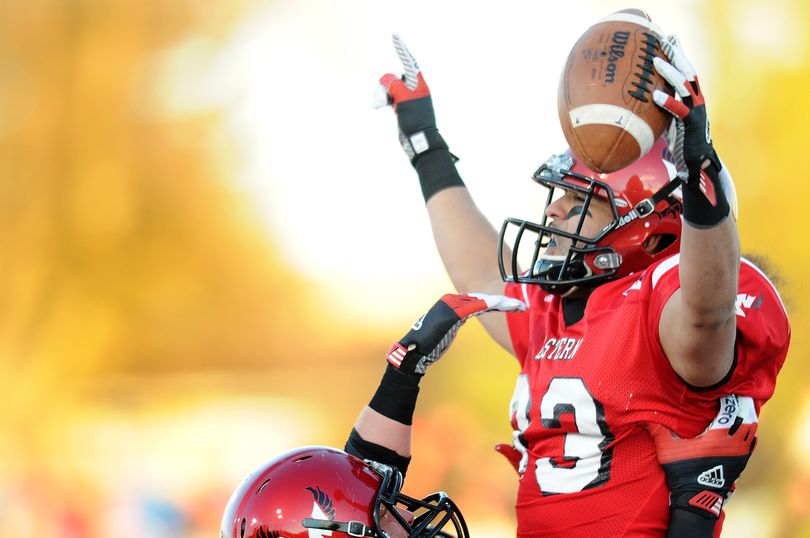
x=396 y=354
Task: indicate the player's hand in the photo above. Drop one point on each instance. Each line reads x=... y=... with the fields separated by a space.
x=394 y=88
x=701 y=472
x=432 y=334
x=697 y=162
x=410 y=97
x=696 y=143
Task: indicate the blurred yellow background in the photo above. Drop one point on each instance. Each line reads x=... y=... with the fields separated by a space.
x=209 y=240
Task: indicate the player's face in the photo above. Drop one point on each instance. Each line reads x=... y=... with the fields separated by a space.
x=564 y=214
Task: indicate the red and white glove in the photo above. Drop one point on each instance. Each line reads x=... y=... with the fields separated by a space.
x=696 y=146
x=701 y=472
x=418 y=134
x=393 y=88
x=410 y=97
x=432 y=334
x=697 y=162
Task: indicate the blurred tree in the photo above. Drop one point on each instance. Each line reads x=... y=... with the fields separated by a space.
x=126 y=247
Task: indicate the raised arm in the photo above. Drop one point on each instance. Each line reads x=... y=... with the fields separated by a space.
x=466 y=240
x=698 y=323
x=382 y=432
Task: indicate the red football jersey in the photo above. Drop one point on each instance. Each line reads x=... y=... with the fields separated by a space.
x=584 y=393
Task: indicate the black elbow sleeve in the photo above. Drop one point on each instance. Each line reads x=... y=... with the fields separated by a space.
x=360 y=448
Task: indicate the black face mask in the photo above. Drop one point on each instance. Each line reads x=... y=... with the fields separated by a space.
x=431 y=514
x=587 y=262
x=558 y=274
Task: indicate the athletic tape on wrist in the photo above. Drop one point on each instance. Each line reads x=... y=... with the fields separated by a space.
x=421 y=142
x=396 y=396
x=697 y=209
x=437 y=171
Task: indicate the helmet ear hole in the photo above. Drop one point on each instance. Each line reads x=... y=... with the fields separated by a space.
x=658 y=243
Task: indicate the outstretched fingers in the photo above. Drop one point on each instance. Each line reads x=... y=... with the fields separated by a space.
x=395 y=88
x=674 y=51
x=409 y=64
x=670 y=104
x=474 y=304
x=501 y=303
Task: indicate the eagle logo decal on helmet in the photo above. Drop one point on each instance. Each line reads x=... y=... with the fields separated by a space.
x=323 y=501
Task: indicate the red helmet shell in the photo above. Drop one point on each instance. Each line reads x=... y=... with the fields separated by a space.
x=310 y=482
x=631 y=185
x=639 y=180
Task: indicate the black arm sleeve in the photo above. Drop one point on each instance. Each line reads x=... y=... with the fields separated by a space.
x=688 y=524
x=359 y=447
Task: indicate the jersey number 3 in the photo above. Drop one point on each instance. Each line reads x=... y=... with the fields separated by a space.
x=585 y=459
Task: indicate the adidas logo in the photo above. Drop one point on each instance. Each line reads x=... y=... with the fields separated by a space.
x=712 y=478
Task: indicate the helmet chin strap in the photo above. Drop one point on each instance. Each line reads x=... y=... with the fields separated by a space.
x=352 y=528
x=549 y=267
x=575 y=292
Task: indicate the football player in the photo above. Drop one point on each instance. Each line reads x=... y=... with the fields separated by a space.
x=322 y=491
x=640 y=309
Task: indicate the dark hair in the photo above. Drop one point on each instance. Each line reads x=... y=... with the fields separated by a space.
x=766 y=266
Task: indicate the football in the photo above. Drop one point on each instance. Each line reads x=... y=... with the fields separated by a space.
x=605 y=100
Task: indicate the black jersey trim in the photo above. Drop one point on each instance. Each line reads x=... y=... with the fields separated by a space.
x=726 y=378
x=573 y=310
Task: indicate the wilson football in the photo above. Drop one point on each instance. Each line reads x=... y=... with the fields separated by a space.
x=605 y=96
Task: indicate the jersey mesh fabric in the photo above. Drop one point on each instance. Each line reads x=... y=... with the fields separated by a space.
x=586 y=391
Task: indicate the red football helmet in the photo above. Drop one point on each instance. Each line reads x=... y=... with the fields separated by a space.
x=645 y=200
x=318 y=491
